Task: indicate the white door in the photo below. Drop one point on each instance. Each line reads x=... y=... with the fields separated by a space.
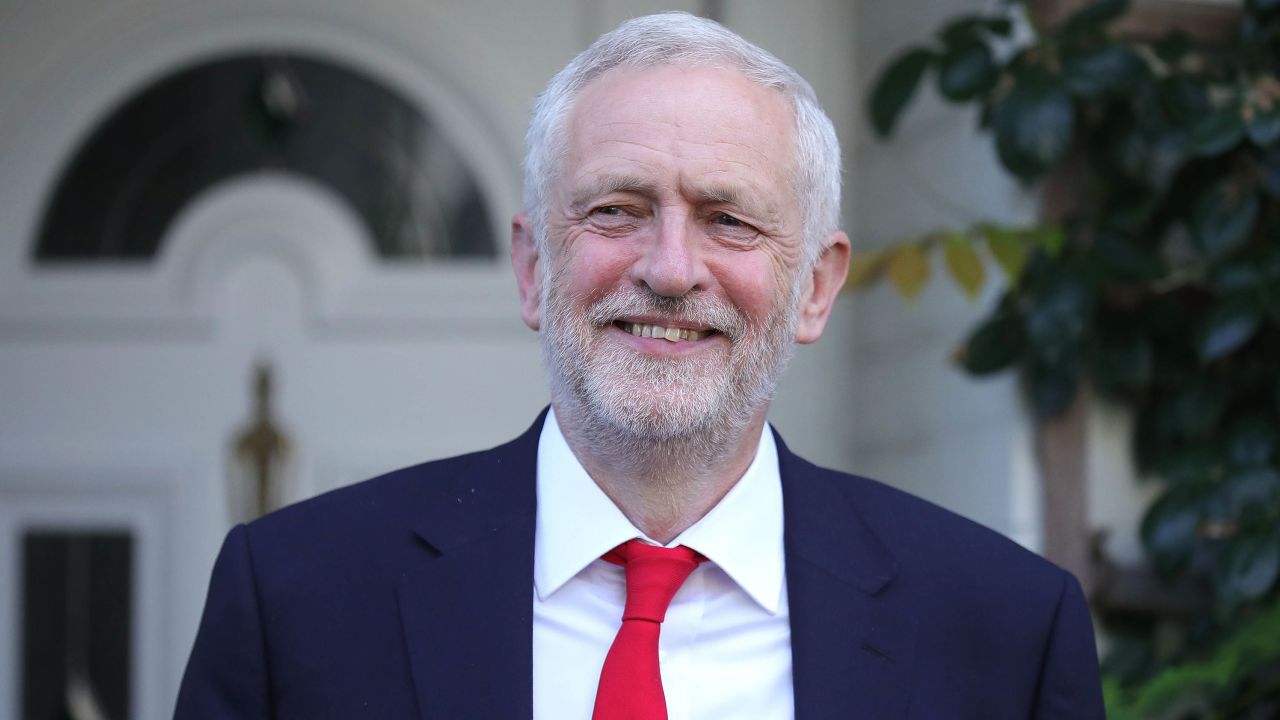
x=122 y=386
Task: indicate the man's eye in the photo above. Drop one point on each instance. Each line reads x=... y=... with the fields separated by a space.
x=608 y=210
x=730 y=224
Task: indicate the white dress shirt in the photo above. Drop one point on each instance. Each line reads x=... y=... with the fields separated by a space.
x=725 y=647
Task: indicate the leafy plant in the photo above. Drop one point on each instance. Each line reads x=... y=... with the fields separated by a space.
x=1159 y=286
x=1241 y=674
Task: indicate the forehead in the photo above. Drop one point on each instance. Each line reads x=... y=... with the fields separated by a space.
x=707 y=120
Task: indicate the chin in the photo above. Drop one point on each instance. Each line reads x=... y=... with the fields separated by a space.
x=656 y=422
x=662 y=411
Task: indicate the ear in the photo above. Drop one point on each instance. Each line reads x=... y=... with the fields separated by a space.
x=822 y=287
x=525 y=262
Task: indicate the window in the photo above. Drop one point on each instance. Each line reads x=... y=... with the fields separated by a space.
x=217 y=120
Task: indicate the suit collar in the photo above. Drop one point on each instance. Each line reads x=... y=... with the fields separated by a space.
x=824 y=529
x=466 y=609
x=851 y=645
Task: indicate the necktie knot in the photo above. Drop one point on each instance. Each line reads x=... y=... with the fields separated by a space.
x=654 y=574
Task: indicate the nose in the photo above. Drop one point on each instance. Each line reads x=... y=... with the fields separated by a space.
x=671 y=263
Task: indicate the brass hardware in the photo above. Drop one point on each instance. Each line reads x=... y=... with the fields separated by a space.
x=262 y=454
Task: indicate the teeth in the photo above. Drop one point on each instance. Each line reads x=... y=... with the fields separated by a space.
x=670 y=334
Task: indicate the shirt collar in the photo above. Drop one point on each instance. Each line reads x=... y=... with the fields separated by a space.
x=577 y=522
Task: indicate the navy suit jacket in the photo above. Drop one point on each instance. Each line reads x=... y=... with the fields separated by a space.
x=411 y=596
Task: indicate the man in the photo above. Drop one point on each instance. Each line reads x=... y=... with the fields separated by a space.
x=679 y=235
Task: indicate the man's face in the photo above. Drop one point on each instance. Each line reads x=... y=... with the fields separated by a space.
x=674 y=238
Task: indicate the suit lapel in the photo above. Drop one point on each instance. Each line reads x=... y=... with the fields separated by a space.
x=850 y=648
x=466 y=609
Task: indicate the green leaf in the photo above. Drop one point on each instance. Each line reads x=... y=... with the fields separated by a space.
x=1197 y=407
x=1208 y=676
x=1248 y=568
x=895 y=87
x=1169 y=527
x=908 y=268
x=1253 y=487
x=1033 y=125
x=1269 y=262
x=1008 y=247
x=993 y=346
x=1000 y=26
x=1235 y=277
x=1271 y=172
x=1130 y=149
x=1228 y=326
x=1217 y=132
x=1057 y=316
x=1251 y=442
x=1153 y=435
x=966 y=71
x=1224 y=217
x=1173 y=47
x=1121 y=258
x=1185 y=99
x=1254 y=31
x=1263 y=124
x=1123 y=363
x=1196 y=463
x=1110 y=69
x=1094 y=17
x=1051 y=387
x=1049 y=238
x=965 y=265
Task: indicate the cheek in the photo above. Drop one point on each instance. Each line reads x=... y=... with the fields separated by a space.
x=592 y=266
x=756 y=287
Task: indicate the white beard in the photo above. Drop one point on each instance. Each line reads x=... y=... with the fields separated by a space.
x=631 y=402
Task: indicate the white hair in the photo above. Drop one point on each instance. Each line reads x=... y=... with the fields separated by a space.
x=678 y=38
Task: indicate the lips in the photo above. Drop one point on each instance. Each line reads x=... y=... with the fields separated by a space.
x=694 y=318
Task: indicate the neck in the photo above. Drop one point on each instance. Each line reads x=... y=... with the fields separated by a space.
x=662 y=486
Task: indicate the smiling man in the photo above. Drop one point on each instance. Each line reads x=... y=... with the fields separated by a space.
x=671 y=276
x=649 y=548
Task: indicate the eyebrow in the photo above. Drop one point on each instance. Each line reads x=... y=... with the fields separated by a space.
x=722 y=194
x=712 y=193
x=607 y=184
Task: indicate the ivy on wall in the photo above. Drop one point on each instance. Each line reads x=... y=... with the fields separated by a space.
x=1159 y=287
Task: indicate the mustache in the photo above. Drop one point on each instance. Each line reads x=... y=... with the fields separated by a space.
x=697 y=309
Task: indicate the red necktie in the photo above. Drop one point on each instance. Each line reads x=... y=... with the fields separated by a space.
x=630 y=682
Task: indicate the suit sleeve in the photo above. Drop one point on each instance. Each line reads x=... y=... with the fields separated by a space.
x=226 y=676
x=1070 y=687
